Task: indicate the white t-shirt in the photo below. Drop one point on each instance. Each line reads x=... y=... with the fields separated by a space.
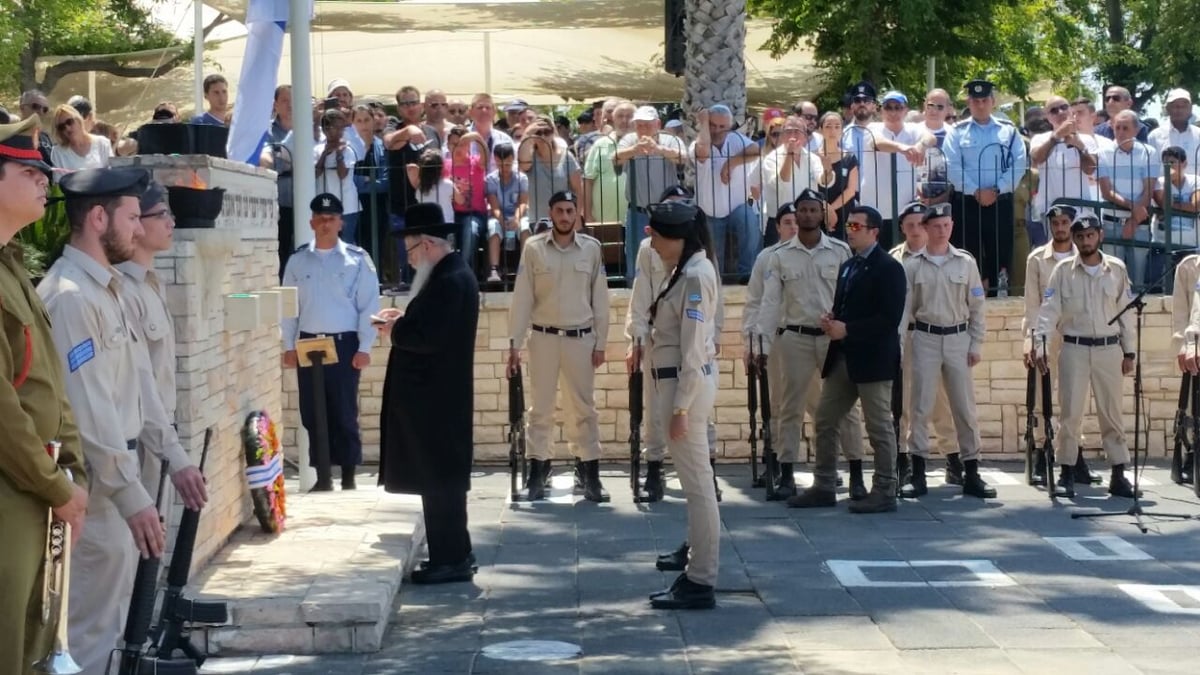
x=1182 y=194
x=715 y=198
x=1061 y=176
x=97 y=157
x=442 y=194
x=1166 y=136
x=875 y=168
x=328 y=181
x=806 y=173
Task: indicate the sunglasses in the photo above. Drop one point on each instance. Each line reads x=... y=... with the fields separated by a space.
x=458 y=111
x=893 y=108
x=436 y=105
x=409 y=103
x=69 y=122
x=855 y=227
x=1058 y=109
x=936 y=106
x=862 y=99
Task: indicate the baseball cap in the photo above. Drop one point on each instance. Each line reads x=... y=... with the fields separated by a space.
x=645 y=113
x=894 y=95
x=1176 y=94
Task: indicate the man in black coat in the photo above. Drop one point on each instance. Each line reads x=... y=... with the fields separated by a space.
x=863 y=359
x=428 y=394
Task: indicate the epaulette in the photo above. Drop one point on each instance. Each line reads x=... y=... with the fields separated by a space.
x=587 y=237
x=356 y=250
x=963 y=124
x=302 y=247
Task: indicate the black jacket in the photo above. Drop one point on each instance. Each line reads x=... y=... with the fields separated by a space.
x=427 y=421
x=871 y=304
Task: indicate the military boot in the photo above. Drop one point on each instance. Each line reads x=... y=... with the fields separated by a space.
x=593 y=491
x=1083 y=474
x=858 y=489
x=675 y=561
x=916 y=486
x=1039 y=467
x=580 y=479
x=535 y=482
x=787 y=482
x=954 y=469
x=716 y=488
x=348 y=477
x=903 y=468
x=1066 y=483
x=654 y=481
x=973 y=483
x=1119 y=485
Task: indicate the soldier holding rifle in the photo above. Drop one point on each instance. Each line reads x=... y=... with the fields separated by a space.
x=33 y=412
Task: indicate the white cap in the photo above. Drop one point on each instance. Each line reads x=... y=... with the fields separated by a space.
x=334 y=84
x=646 y=113
x=1176 y=94
x=672 y=124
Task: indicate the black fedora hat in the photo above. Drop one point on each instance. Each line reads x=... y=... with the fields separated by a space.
x=195 y=208
x=426 y=218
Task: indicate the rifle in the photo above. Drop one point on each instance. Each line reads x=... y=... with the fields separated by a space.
x=141 y=613
x=764 y=393
x=636 y=409
x=1182 y=442
x=1047 y=414
x=516 y=432
x=173 y=628
x=1031 y=422
x=752 y=404
x=903 y=469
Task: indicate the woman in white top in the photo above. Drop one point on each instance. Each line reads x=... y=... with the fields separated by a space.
x=74 y=148
x=428 y=179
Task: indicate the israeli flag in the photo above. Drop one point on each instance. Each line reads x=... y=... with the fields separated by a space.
x=264 y=475
x=266 y=21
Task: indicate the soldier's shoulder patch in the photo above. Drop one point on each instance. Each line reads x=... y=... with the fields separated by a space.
x=80 y=354
x=767 y=274
x=977 y=291
x=694 y=298
x=693 y=313
x=1198 y=285
x=1048 y=294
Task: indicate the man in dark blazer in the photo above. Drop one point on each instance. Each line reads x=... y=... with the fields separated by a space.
x=863 y=359
x=428 y=394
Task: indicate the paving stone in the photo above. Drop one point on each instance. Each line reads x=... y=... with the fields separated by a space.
x=1071 y=661
x=990 y=661
x=1009 y=637
x=833 y=633
x=848 y=662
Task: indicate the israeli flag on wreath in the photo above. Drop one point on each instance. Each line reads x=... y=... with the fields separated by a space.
x=264 y=475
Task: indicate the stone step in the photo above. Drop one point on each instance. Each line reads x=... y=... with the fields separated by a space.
x=325 y=585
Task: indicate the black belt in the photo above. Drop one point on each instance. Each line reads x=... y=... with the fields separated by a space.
x=565 y=332
x=673 y=373
x=912 y=326
x=940 y=330
x=131 y=445
x=641 y=209
x=1092 y=341
x=336 y=336
x=803 y=330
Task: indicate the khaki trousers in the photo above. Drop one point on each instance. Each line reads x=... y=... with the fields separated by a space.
x=23 y=637
x=942 y=359
x=1099 y=368
x=943 y=422
x=563 y=364
x=800 y=359
x=103 y=564
x=655 y=439
x=838 y=395
x=690 y=455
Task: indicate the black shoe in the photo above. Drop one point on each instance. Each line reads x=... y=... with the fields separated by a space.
x=1085 y=475
x=348 y=477
x=685 y=594
x=675 y=561
x=973 y=484
x=535 y=483
x=580 y=480
x=916 y=486
x=1039 y=468
x=903 y=468
x=954 y=469
x=1119 y=485
x=716 y=488
x=593 y=491
x=323 y=484
x=858 y=489
x=787 y=482
x=444 y=574
x=655 y=483
x=424 y=564
x=875 y=502
x=813 y=498
x=1066 y=483
x=1185 y=472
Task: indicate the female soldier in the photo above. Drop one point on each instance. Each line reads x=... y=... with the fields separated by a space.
x=680 y=355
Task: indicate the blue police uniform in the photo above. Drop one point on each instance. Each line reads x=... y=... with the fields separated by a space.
x=338 y=291
x=982 y=156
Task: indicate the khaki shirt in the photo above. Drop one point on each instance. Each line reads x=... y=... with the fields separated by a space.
x=649 y=276
x=143 y=295
x=754 y=293
x=901 y=252
x=1038 y=266
x=946 y=295
x=799 y=283
x=678 y=337
x=1187 y=282
x=560 y=288
x=109 y=385
x=1079 y=304
x=33 y=397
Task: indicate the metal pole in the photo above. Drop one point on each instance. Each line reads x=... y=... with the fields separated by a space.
x=198 y=48
x=304 y=181
x=487 y=62
x=930 y=73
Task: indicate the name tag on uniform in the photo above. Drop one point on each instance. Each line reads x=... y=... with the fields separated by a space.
x=80 y=354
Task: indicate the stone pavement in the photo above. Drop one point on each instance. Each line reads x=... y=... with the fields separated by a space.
x=964 y=586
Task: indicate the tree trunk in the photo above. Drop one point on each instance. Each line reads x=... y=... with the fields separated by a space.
x=716 y=64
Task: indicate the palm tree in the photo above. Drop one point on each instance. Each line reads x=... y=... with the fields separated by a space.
x=716 y=65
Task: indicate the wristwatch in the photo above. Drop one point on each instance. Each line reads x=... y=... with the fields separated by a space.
x=1130 y=355
x=679 y=411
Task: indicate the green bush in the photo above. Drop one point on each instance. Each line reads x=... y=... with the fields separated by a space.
x=43 y=241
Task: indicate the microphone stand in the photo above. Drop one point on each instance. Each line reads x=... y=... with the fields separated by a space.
x=1136 y=510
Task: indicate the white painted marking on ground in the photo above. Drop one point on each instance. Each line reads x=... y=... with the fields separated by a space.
x=532 y=650
x=851 y=573
x=1155 y=597
x=998 y=477
x=1119 y=549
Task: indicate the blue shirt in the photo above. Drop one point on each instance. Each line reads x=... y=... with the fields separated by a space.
x=338 y=292
x=990 y=155
x=208 y=119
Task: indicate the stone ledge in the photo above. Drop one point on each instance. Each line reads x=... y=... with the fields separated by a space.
x=325 y=585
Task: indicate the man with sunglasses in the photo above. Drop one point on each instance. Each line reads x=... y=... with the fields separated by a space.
x=938 y=107
x=946 y=310
x=986 y=158
x=1065 y=159
x=1117 y=99
x=405 y=141
x=789 y=170
x=892 y=135
x=35 y=103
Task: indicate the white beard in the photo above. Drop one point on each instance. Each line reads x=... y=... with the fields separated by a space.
x=420 y=277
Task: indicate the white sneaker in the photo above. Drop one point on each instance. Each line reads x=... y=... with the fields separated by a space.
x=494 y=276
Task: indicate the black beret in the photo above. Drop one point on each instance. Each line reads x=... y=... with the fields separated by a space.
x=155 y=194
x=675 y=191
x=563 y=196
x=913 y=209
x=1060 y=210
x=326 y=203
x=809 y=195
x=16 y=145
x=1085 y=221
x=784 y=210
x=90 y=183
x=979 y=88
x=426 y=218
x=936 y=211
x=675 y=219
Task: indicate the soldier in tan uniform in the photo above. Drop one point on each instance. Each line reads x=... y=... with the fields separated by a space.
x=1038 y=266
x=33 y=412
x=679 y=356
x=943 y=423
x=1187 y=283
x=800 y=280
x=945 y=306
x=562 y=294
x=1083 y=294
x=143 y=294
x=114 y=400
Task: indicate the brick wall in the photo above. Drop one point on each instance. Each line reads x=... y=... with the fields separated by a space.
x=999 y=383
x=222 y=375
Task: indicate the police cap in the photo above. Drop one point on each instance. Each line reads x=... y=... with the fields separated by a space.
x=327 y=204
x=92 y=183
x=979 y=88
x=675 y=219
x=18 y=146
x=862 y=89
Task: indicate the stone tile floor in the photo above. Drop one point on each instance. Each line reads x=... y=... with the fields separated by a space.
x=579 y=573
